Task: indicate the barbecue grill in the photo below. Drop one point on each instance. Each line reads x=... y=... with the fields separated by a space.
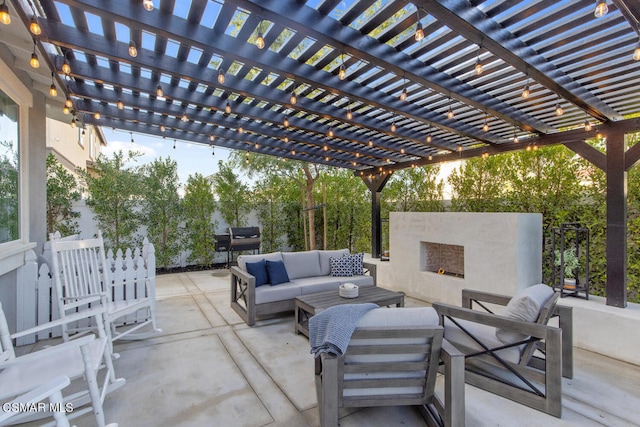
x=244 y=239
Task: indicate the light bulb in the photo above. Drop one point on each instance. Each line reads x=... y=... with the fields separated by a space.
x=163 y=128
x=73 y=123
x=52 y=90
x=430 y=157
x=5 y=18
x=559 y=110
x=286 y=122
x=478 y=68
x=349 y=115
x=485 y=127
x=260 y=41
x=97 y=115
x=402 y=151
x=120 y=105
x=286 y=138
x=587 y=126
x=66 y=110
x=371 y=143
x=68 y=103
x=450 y=114
x=325 y=147
x=34 y=61
x=212 y=138
x=66 y=68
x=133 y=50
x=526 y=92
x=330 y=132
x=403 y=95
x=159 y=91
x=34 y=27
x=419 y=32
x=393 y=127
x=342 y=74
x=429 y=139
x=636 y=53
x=293 y=98
x=326 y=159
x=293 y=152
x=148 y=4
x=184 y=117
x=227 y=108
x=357 y=155
x=515 y=139
x=601 y=8
x=240 y=129
x=221 y=76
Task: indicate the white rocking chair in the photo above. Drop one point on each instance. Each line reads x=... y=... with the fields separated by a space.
x=51 y=390
x=78 y=359
x=81 y=275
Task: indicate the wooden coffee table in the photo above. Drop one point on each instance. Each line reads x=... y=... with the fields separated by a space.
x=307 y=306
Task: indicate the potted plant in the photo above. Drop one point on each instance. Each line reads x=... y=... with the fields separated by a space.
x=571 y=263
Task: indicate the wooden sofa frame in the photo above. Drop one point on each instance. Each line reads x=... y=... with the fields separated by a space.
x=243 y=296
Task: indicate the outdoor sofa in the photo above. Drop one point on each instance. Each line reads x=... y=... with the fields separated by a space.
x=258 y=293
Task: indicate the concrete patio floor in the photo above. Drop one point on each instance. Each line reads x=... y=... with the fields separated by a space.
x=208 y=368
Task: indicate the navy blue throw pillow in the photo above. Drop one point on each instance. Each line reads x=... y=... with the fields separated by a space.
x=258 y=270
x=277 y=272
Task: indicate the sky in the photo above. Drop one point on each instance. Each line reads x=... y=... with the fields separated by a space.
x=191 y=158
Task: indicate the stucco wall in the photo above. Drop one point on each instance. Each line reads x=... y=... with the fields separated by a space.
x=502 y=253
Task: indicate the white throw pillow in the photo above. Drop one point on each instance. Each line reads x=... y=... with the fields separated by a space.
x=525 y=306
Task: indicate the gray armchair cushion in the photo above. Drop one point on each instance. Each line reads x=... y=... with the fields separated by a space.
x=525 y=306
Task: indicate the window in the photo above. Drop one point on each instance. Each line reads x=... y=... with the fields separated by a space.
x=9 y=169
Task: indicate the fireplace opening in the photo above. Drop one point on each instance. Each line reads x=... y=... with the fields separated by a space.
x=443 y=259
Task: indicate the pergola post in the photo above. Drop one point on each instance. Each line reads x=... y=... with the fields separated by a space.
x=376 y=184
x=616 y=219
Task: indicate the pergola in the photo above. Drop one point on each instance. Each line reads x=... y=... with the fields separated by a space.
x=351 y=84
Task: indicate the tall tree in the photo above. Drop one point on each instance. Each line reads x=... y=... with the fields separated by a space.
x=414 y=189
x=114 y=196
x=161 y=209
x=9 y=171
x=233 y=195
x=200 y=227
x=62 y=191
x=478 y=185
x=269 y=203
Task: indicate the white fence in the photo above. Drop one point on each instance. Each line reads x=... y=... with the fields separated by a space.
x=37 y=296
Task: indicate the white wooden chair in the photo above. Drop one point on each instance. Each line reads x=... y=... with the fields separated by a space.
x=51 y=390
x=78 y=359
x=82 y=277
x=392 y=360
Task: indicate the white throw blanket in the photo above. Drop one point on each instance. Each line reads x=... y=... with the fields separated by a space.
x=331 y=330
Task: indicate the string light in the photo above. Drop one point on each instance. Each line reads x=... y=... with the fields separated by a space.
x=52 y=89
x=485 y=127
x=184 y=117
x=330 y=133
x=485 y=154
x=349 y=114
x=325 y=147
x=221 y=76
x=587 y=124
x=97 y=115
x=256 y=146
x=212 y=137
x=73 y=122
x=636 y=52
x=120 y=105
x=34 y=61
x=402 y=151
x=393 y=127
x=478 y=66
x=227 y=108
x=34 y=26
x=286 y=138
x=601 y=8
x=5 y=18
x=148 y=4
x=66 y=68
x=294 y=97
x=515 y=137
x=285 y=122
x=430 y=157
x=66 y=110
x=342 y=73
x=163 y=128
x=240 y=129
x=371 y=143
x=559 y=110
x=403 y=95
x=159 y=91
x=133 y=50
x=526 y=91
x=260 y=39
x=419 y=36
x=68 y=103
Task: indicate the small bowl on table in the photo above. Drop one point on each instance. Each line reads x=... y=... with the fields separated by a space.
x=348 y=290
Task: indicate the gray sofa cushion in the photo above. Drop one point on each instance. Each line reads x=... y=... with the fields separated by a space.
x=485 y=333
x=311 y=285
x=357 y=280
x=282 y=292
x=244 y=259
x=302 y=264
x=325 y=263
